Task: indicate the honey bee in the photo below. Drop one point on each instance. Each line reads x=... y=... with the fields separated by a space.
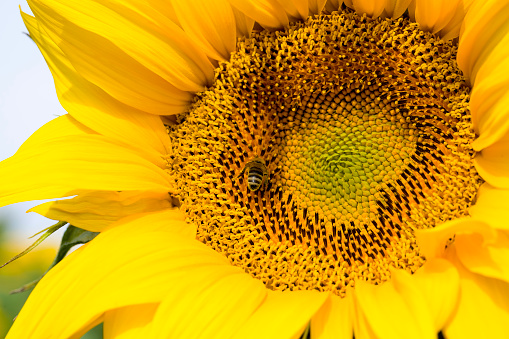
x=257 y=174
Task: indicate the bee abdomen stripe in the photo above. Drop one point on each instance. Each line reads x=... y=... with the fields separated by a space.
x=255 y=171
x=255 y=178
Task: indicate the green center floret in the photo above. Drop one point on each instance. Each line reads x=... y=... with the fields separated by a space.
x=337 y=165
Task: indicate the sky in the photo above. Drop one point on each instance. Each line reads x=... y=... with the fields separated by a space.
x=27 y=101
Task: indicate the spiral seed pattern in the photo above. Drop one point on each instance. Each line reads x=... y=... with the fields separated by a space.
x=365 y=132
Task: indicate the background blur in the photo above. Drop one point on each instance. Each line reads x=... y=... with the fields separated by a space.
x=27 y=101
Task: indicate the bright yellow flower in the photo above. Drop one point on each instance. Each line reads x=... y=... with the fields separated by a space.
x=378 y=170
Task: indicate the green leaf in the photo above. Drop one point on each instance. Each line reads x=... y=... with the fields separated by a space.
x=73 y=236
x=28 y=35
x=50 y=230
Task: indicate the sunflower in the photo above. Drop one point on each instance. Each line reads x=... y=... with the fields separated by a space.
x=268 y=168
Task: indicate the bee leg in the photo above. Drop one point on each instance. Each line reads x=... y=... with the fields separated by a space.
x=241 y=173
x=265 y=180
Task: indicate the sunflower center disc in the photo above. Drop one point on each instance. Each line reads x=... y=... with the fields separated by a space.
x=351 y=132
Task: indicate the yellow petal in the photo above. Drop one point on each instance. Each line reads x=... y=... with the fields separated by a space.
x=215 y=309
x=160 y=11
x=492 y=163
x=493 y=58
x=332 y=5
x=282 y=315
x=479 y=247
x=433 y=15
x=296 y=8
x=361 y=325
x=484 y=30
x=452 y=29
x=395 y=8
x=395 y=309
x=369 y=7
x=489 y=258
x=316 y=6
x=72 y=87
x=483 y=309
x=85 y=329
x=210 y=23
x=104 y=65
x=492 y=206
x=411 y=10
x=59 y=167
x=167 y=52
x=95 y=211
x=268 y=13
x=129 y=322
x=334 y=319
x=169 y=220
x=438 y=282
x=94 y=108
x=490 y=99
x=434 y=242
x=62 y=126
x=135 y=263
x=243 y=22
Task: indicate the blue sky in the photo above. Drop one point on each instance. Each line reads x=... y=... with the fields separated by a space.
x=27 y=101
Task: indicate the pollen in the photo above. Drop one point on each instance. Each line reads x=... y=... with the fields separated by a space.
x=362 y=131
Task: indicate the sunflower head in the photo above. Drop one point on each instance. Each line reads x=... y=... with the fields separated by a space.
x=361 y=140
x=262 y=167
